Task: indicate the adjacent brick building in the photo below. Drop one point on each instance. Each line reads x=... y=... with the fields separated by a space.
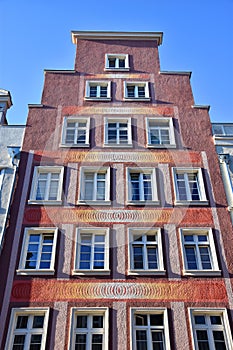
x=122 y=238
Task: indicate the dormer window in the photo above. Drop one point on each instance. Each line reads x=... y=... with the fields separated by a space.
x=116 y=62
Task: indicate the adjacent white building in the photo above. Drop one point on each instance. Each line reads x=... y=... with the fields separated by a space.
x=11 y=137
x=223 y=138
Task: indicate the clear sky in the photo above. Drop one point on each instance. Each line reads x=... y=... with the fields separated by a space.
x=198 y=37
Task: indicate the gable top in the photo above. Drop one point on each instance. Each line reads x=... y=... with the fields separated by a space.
x=94 y=35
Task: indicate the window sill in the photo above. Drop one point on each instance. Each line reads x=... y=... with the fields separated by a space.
x=90 y=272
x=188 y=203
x=97 y=98
x=42 y=202
x=133 y=99
x=115 y=145
x=161 y=146
x=146 y=272
x=126 y=69
x=203 y=273
x=143 y=203
x=35 y=272
x=89 y=202
x=74 y=145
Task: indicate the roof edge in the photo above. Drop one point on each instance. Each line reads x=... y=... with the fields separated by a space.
x=91 y=35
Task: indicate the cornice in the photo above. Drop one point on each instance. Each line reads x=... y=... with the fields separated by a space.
x=94 y=35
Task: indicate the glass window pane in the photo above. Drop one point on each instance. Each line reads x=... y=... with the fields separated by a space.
x=97 y=321
x=81 y=321
x=140 y=320
x=38 y=322
x=21 y=322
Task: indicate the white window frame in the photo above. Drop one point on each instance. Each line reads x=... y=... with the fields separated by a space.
x=46 y=169
x=163 y=123
x=201 y=188
x=149 y=311
x=15 y=312
x=222 y=312
x=124 y=57
x=145 y=231
x=214 y=271
x=98 y=84
x=35 y=231
x=142 y=201
x=75 y=119
x=136 y=84
x=2 y=172
x=95 y=171
x=87 y=311
x=108 y=120
x=94 y=232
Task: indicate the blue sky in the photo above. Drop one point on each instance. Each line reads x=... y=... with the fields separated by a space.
x=198 y=37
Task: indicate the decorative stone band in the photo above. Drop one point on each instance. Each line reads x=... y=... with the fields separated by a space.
x=63 y=290
x=155 y=157
x=165 y=111
x=74 y=215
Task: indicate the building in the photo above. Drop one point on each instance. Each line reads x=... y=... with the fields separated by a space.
x=223 y=137
x=11 y=137
x=122 y=239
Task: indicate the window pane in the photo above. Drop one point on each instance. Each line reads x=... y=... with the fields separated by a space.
x=219 y=340
x=205 y=257
x=152 y=258
x=97 y=321
x=156 y=320
x=216 y=320
x=97 y=341
x=81 y=321
x=121 y=63
x=93 y=91
x=41 y=186
x=70 y=134
x=112 y=62
x=141 y=91
x=137 y=257
x=202 y=339
x=191 y=258
x=199 y=319
x=38 y=322
x=135 y=192
x=103 y=91
x=80 y=342
x=21 y=322
x=141 y=320
x=157 y=340
x=141 y=340
x=35 y=342
x=19 y=342
x=130 y=91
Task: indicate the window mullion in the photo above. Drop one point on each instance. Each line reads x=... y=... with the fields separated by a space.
x=75 y=133
x=141 y=187
x=136 y=90
x=92 y=251
x=47 y=187
x=187 y=188
x=94 y=195
x=98 y=91
x=39 y=252
x=118 y=133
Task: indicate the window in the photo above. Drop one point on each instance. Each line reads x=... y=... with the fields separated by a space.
x=98 y=90
x=223 y=129
x=75 y=132
x=118 y=132
x=47 y=185
x=136 y=90
x=199 y=255
x=189 y=186
x=160 y=132
x=116 y=62
x=38 y=251
x=142 y=187
x=145 y=251
x=92 y=251
x=27 y=329
x=211 y=330
x=95 y=186
x=89 y=329
x=2 y=171
x=150 y=329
